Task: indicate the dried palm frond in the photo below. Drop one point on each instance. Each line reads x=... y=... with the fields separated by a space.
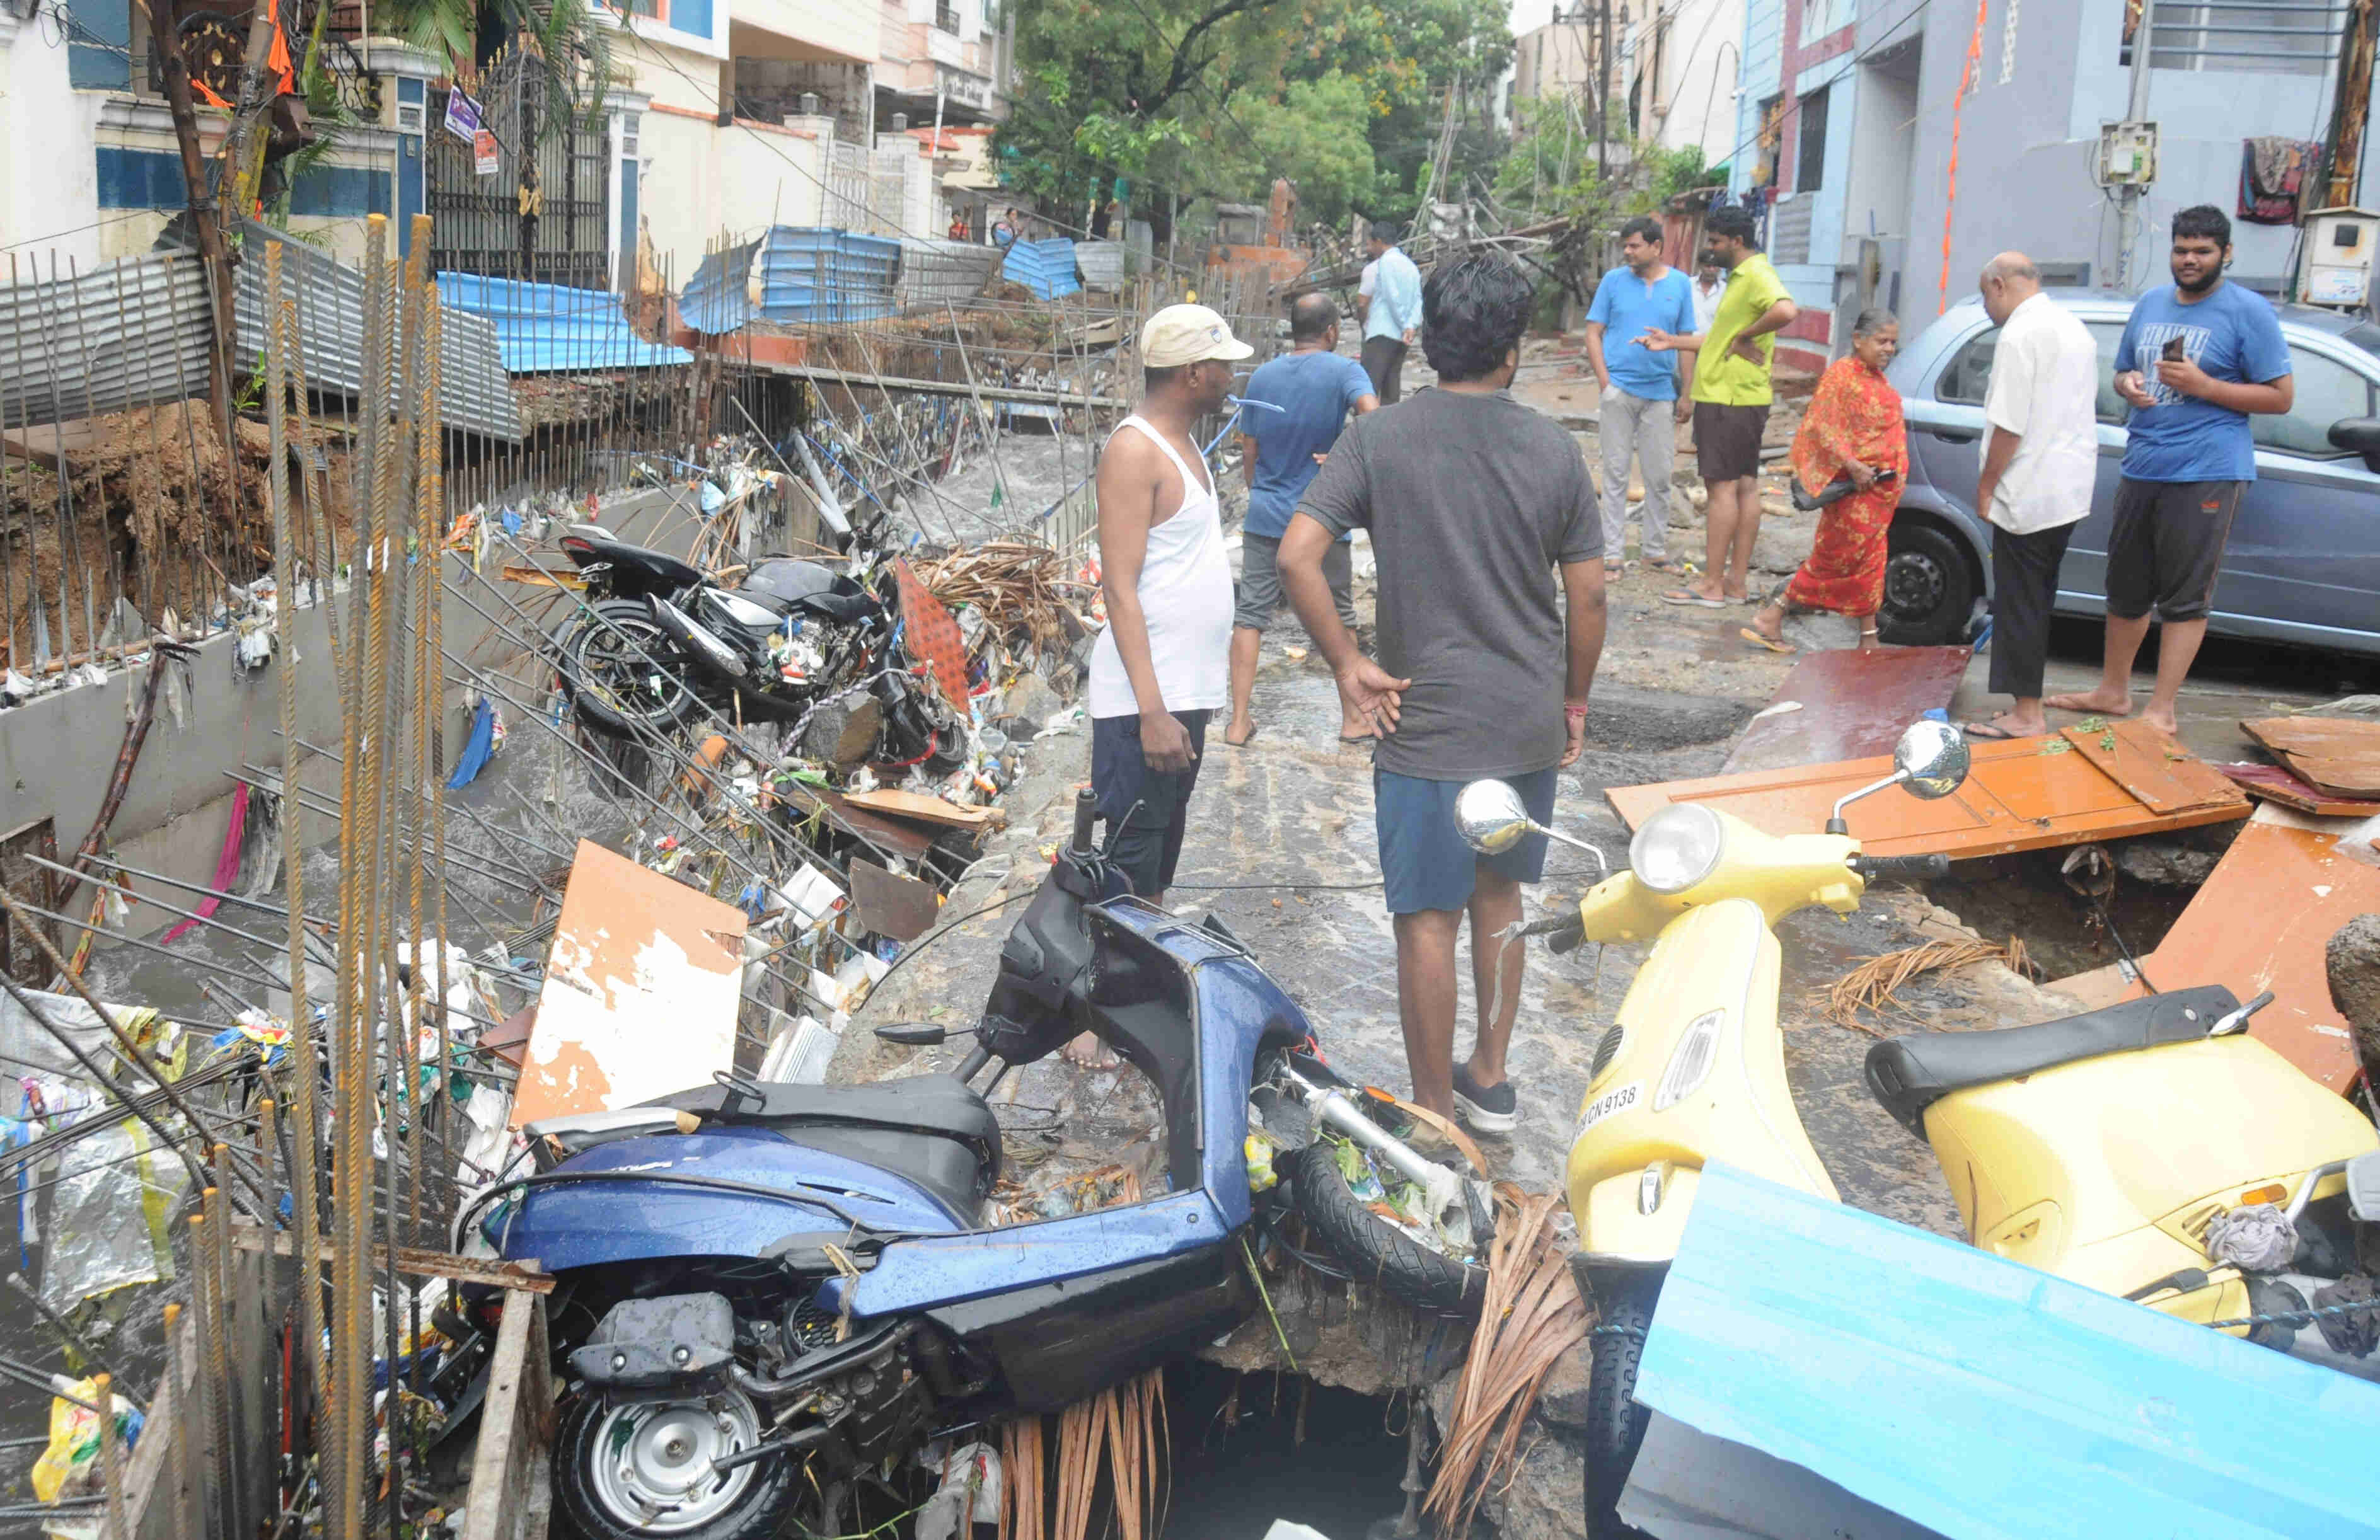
x=1873 y=985
x=1532 y=1316
x=1120 y=1433
x=1025 y=591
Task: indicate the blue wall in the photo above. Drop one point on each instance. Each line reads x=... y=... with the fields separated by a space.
x=99 y=69
x=153 y=179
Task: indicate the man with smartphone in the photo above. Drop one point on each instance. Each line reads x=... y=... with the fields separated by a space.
x=2218 y=358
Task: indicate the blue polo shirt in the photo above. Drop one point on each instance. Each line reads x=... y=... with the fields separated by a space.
x=1625 y=306
x=1315 y=392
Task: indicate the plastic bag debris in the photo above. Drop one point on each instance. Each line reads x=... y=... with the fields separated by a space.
x=69 y=1466
x=969 y=1493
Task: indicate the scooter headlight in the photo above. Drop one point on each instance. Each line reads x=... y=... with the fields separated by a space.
x=1690 y=1060
x=1678 y=847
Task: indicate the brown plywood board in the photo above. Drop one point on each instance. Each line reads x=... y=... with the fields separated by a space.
x=2022 y=793
x=2331 y=754
x=1848 y=704
x=901 y=907
x=2263 y=921
x=2274 y=783
x=925 y=809
x=640 y=995
x=2147 y=762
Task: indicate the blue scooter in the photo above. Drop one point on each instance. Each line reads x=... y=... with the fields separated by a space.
x=769 y=1294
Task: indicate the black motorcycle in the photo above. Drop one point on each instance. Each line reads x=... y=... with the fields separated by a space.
x=658 y=640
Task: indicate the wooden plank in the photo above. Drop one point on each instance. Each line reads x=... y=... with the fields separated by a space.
x=2263 y=921
x=901 y=907
x=2331 y=754
x=2147 y=762
x=413 y=1261
x=511 y=1480
x=542 y=579
x=904 y=839
x=2274 y=783
x=925 y=809
x=640 y=995
x=1848 y=704
x=2021 y=794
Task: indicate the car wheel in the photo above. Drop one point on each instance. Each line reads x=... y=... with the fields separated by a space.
x=1929 y=588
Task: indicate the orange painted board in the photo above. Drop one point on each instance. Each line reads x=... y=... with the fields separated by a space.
x=2332 y=753
x=2263 y=921
x=2147 y=762
x=2019 y=795
x=640 y=995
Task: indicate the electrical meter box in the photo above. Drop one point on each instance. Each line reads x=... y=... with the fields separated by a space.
x=2128 y=153
x=2334 y=266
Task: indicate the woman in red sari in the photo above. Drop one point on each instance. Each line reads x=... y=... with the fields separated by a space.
x=1852 y=431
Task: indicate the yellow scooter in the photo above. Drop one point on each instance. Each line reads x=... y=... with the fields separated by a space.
x=2065 y=1149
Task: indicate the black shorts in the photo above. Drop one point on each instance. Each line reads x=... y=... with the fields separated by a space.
x=2167 y=547
x=1727 y=440
x=1145 y=811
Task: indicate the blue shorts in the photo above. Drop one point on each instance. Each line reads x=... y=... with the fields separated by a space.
x=1424 y=862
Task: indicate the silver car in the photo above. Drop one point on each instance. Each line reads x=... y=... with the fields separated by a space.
x=2303 y=564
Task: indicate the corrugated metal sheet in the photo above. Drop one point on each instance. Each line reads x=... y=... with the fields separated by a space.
x=938 y=272
x=475 y=396
x=1101 y=264
x=1045 y=268
x=797 y=275
x=546 y=328
x=128 y=333
x=1987 y=1400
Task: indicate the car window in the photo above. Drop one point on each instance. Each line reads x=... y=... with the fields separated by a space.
x=2107 y=333
x=2326 y=391
x=1969 y=374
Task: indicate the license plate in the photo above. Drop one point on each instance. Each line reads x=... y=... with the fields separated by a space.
x=1617 y=1100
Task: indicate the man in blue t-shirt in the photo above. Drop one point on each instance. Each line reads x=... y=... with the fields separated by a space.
x=2197 y=360
x=1639 y=386
x=1314 y=387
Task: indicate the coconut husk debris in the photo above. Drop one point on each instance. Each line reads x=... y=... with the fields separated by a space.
x=1875 y=985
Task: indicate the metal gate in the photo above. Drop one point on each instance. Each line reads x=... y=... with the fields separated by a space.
x=541 y=216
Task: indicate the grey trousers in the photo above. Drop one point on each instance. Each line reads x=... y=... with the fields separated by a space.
x=1632 y=427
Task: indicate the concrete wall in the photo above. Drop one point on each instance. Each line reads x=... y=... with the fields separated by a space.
x=57 y=753
x=2028 y=143
x=49 y=186
x=1699 y=62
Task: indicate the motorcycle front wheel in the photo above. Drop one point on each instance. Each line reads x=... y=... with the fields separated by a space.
x=1374 y=1251
x=622 y=672
x=1615 y=1423
x=641 y=1471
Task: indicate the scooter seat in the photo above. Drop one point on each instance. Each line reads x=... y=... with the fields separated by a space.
x=934 y=1129
x=1909 y=1074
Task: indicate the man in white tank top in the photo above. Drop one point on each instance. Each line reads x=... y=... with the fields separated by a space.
x=1161 y=669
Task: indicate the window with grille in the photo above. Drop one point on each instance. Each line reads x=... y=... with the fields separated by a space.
x=946 y=17
x=2269 y=37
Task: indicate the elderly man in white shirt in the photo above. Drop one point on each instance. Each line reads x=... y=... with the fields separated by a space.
x=2040 y=460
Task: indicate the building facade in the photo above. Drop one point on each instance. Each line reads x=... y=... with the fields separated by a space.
x=1679 y=62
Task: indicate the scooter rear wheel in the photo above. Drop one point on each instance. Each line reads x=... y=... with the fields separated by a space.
x=639 y=1470
x=620 y=669
x=1615 y=1423
x=1375 y=1250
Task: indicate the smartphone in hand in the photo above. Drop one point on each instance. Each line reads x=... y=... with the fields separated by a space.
x=2172 y=352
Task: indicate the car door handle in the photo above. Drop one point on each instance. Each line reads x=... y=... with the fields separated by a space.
x=1954 y=435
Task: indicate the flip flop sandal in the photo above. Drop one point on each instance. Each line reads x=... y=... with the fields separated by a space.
x=1755 y=638
x=1346 y=742
x=1244 y=742
x=1687 y=596
x=1990 y=732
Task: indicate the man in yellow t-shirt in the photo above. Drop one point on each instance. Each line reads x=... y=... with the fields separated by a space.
x=1730 y=401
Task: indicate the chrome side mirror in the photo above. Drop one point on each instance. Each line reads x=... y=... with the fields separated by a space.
x=1931 y=760
x=1490 y=817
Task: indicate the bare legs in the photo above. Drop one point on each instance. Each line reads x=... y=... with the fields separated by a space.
x=2177 y=649
x=1245 y=640
x=1425 y=989
x=1734 y=526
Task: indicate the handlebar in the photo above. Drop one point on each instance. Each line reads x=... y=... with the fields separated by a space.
x=1917 y=868
x=1086 y=808
x=1563 y=933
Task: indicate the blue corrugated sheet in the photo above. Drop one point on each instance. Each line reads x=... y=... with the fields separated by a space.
x=1045 y=268
x=1988 y=1401
x=545 y=328
x=807 y=275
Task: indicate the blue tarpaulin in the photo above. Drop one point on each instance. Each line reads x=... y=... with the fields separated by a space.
x=1045 y=268
x=1989 y=1401
x=807 y=275
x=541 y=328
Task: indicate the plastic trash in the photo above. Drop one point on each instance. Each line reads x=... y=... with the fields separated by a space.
x=969 y=1493
x=69 y=1466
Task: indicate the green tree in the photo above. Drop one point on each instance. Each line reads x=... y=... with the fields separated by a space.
x=1316 y=135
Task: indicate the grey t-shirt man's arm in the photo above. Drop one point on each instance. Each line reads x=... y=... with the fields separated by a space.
x=1472 y=501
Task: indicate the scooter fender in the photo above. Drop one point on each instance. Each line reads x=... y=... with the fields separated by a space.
x=1637 y=1219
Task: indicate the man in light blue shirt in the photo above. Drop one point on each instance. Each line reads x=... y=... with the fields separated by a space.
x=1639 y=386
x=1392 y=311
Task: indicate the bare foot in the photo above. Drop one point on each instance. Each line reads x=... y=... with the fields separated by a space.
x=1770 y=622
x=1238 y=733
x=1089 y=1054
x=2164 y=722
x=2097 y=702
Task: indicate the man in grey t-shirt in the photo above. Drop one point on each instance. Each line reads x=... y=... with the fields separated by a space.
x=1473 y=500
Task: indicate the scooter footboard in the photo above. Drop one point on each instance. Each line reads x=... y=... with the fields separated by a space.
x=1635 y=1219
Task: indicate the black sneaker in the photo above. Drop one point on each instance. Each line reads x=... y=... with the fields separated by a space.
x=1487 y=1109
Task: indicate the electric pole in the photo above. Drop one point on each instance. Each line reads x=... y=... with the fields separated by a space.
x=1603 y=100
x=2132 y=195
